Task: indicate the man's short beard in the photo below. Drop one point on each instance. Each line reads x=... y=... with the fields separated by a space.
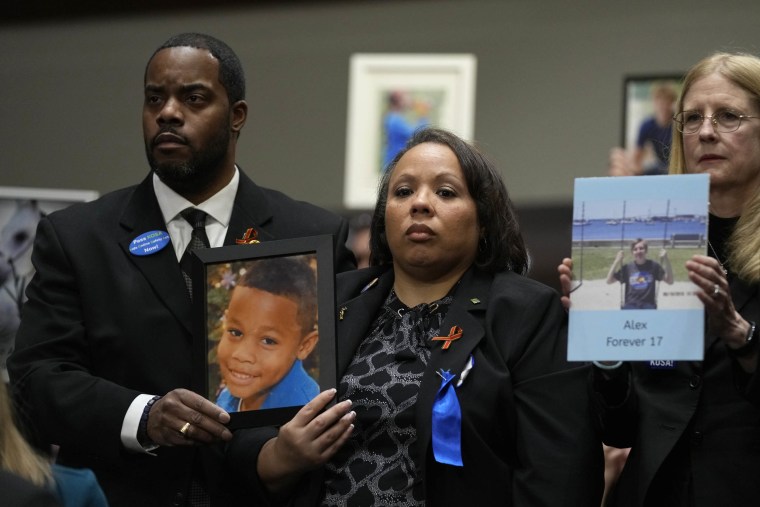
x=197 y=173
x=182 y=177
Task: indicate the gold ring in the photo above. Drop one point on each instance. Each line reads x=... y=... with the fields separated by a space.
x=184 y=429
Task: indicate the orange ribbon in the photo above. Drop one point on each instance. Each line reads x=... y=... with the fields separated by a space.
x=249 y=238
x=454 y=334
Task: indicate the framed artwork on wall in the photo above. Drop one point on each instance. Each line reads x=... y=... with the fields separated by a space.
x=265 y=329
x=21 y=208
x=648 y=108
x=391 y=95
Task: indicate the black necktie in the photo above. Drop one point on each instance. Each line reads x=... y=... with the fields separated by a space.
x=197 y=219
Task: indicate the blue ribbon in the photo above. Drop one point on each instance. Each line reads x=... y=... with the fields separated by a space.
x=447 y=423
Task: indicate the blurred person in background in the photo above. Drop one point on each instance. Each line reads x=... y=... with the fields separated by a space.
x=650 y=155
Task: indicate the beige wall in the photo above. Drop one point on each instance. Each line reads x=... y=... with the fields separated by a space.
x=549 y=84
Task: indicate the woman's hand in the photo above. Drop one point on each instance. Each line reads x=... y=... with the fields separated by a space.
x=307 y=441
x=722 y=317
x=565 y=271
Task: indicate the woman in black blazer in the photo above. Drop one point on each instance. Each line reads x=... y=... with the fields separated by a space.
x=455 y=387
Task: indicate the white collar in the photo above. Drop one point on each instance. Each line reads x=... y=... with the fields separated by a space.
x=218 y=206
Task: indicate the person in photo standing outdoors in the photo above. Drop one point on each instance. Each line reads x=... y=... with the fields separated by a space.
x=640 y=276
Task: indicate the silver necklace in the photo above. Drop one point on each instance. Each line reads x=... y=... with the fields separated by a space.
x=722 y=267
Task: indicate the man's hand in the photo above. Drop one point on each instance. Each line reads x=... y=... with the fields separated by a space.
x=183 y=417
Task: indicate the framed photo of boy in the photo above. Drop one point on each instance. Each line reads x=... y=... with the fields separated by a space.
x=390 y=96
x=648 y=107
x=265 y=328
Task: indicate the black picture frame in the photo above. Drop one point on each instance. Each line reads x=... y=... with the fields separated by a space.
x=216 y=272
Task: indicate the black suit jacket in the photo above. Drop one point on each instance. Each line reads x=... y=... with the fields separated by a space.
x=528 y=437
x=102 y=326
x=709 y=410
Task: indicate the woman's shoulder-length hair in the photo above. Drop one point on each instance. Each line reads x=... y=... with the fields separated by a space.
x=500 y=246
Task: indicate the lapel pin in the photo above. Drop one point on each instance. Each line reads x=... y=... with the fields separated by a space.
x=342 y=312
x=475 y=301
x=454 y=334
x=249 y=238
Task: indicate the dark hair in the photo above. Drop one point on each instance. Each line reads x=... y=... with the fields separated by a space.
x=230 y=70
x=290 y=277
x=501 y=245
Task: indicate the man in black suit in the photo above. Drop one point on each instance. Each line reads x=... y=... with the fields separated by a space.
x=103 y=354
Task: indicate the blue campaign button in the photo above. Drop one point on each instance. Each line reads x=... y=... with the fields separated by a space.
x=149 y=243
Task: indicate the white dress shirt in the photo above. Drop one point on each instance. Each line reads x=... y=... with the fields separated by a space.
x=219 y=210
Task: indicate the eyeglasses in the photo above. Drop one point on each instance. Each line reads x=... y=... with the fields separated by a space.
x=725 y=120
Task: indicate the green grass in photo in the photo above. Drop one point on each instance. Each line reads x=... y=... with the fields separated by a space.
x=593 y=263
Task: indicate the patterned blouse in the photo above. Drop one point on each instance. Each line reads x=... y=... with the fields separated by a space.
x=377 y=465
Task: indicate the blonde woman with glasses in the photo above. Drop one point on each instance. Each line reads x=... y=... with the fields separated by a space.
x=694 y=428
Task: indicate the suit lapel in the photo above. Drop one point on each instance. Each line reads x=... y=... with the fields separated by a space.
x=467 y=311
x=250 y=210
x=356 y=315
x=161 y=270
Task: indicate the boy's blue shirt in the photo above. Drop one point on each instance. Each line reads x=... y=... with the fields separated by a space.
x=295 y=389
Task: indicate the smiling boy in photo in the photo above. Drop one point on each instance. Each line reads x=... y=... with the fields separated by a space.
x=270 y=327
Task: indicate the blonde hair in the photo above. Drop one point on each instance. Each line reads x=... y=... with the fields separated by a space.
x=743 y=70
x=16 y=455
